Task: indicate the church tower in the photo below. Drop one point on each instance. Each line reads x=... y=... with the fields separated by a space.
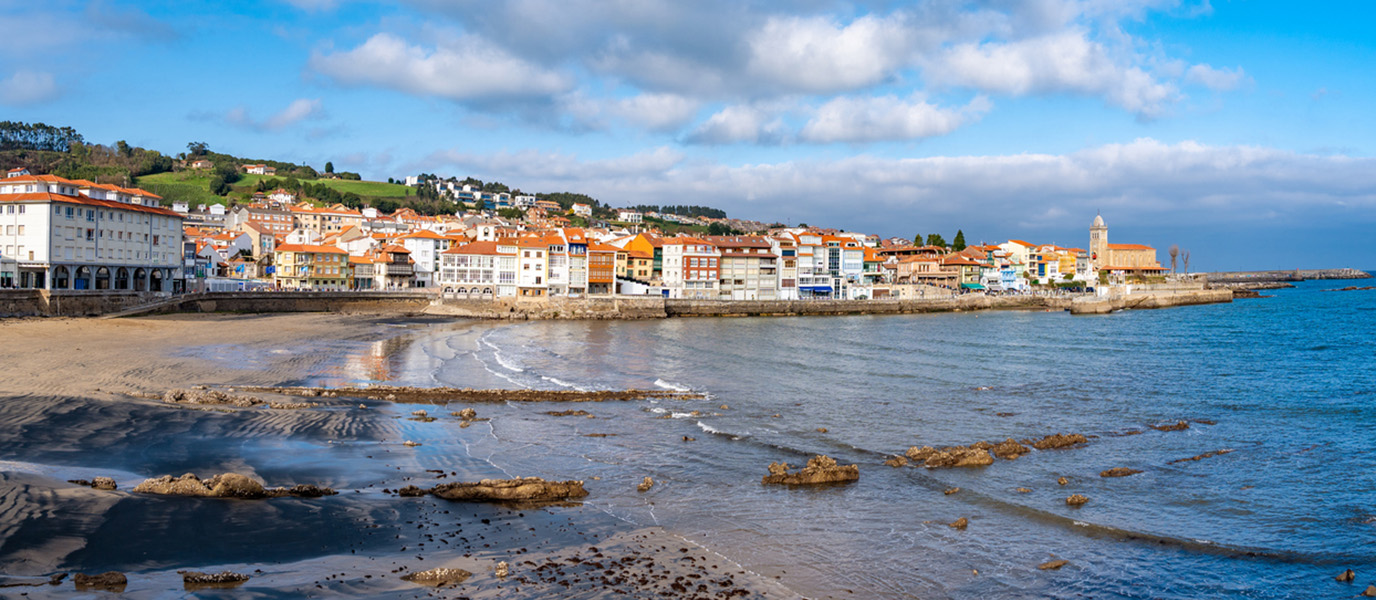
x=1098 y=243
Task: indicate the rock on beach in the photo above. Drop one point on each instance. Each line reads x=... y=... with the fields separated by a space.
x=503 y=490
x=226 y=485
x=820 y=469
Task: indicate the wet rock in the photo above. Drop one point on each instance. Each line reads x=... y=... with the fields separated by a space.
x=438 y=577
x=567 y=413
x=112 y=581
x=502 y=570
x=896 y=461
x=1053 y=565
x=689 y=439
x=500 y=490
x=819 y=469
x=1177 y=426
x=200 y=395
x=725 y=407
x=598 y=435
x=960 y=457
x=645 y=484
x=1076 y=500
x=1201 y=456
x=1058 y=440
x=1346 y=576
x=1009 y=449
x=1370 y=591
x=960 y=523
x=1063 y=481
x=197 y=578
x=412 y=491
x=920 y=454
x=1023 y=490
x=419 y=413
x=950 y=491
x=292 y=405
x=821 y=430
x=227 y=485
x=1119 y=472
x=103 y=483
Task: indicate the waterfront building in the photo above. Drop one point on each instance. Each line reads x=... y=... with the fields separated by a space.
x=311 y=267
x=691 y=268
x=1120 y=259
x=785 y=246
x=75 y=234
x=602 y=269
x=533 y=279
x=749 y=269
x=425 y=247
x=324 y=221
x=480 y=269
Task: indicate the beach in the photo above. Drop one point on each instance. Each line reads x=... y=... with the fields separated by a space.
x=66 y=415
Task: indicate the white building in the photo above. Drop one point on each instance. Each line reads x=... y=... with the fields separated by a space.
x=425 y=247
x=629 y=216
x=691 y=267
x=479 y=270
x=74 y=234
x=582 y=210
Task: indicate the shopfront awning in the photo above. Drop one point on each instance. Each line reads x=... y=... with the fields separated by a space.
x=823 y=289
x=971 y=286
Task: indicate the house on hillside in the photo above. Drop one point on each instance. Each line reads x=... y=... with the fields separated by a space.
x=19 y=172
x=260 y=170
x=200 y=163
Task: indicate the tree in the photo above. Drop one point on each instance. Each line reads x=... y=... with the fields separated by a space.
x=514 y=214
x=329 y=167
x=1186 y=258
x=1175 y=254
x=959 y=243
x=935 y=239
x=198 y=148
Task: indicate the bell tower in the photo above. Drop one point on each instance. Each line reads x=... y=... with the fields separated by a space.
x=1098 y=242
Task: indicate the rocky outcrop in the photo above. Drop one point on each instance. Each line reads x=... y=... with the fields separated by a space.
x=1053 y=565
x=1009 y=449
x=502 y=570
x=223 y=578
x=1118 y=472
x=645 y=484
x=960 y=523
x=438 y=577
x=1346 y=576
x=954 y=456
x=444 y=395
x=896 y=461
x=1370 y=591
x=1177 y=426
x=820 y=469
x=511 y=490
x=568 y=413
x=1063 y=481
x=1057 y=441
x=950 y=491
x=1076 y=500
x=1201 y=456
x=112 y=581
x=207 y=397
x=100 y=483
x=227 y=485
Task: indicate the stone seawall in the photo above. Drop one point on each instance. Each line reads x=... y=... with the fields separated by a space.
x=70 y=303
x=758 y=308
x=1236 y=277
x=552 y=308
x=1096 y=306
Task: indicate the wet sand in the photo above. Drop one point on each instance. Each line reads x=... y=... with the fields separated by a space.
x=65 y=414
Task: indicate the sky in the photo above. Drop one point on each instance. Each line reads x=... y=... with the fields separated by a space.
x=1240 y=130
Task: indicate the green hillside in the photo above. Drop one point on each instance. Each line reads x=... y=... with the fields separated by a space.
x=192 y=187
x=367 y=189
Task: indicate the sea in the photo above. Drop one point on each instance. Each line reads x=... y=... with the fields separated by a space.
x=1279 y=393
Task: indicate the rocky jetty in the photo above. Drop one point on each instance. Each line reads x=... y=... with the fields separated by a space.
x=533 y=489
x=444 y=395
x=438 y=577
x=1118 y=472
x=820 y=469
x=112 y=581
x=227 y=485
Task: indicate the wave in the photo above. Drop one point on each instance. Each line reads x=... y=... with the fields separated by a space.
x=562 y=383
x=669 y=385
x=506 y=365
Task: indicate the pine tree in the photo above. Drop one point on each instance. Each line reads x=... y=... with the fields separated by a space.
x=959 y=243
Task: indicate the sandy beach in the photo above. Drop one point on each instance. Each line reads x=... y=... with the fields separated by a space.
x=66 y=413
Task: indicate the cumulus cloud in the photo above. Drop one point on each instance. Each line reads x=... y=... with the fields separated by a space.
x=466 y=68
x=658 y=112
x=26 y=87
x=1062 y=62
x=818 y=54
x=1219 y=80
x=555 y=167
x=299 y=110
x=740 y=123
x=884 y=118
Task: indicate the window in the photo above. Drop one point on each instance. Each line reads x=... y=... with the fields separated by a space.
x=70 y=210
x=21 y=230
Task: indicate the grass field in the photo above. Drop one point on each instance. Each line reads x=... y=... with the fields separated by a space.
x=193 y=187
x=186 y=186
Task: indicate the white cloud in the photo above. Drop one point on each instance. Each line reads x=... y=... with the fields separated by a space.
x=555 y=167
x=314 y=5
x=1219 y=80
x=28 y=87
x=851 y=119
x=1067 y=61
x=817 y=54
x=466 y=68
x=740 y=123
x=299 y=110
x=658 y=112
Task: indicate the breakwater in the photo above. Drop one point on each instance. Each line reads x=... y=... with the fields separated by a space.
x=1237 y=277
x=1095 y=305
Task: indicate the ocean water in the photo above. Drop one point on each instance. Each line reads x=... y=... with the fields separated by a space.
x=1285 y=384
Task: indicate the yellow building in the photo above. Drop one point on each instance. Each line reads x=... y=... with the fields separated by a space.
x=309 y=267
x=1120 y=258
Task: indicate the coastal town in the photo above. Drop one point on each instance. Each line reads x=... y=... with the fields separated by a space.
x=74 y=234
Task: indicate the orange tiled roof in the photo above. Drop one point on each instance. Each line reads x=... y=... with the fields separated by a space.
x=310 y=248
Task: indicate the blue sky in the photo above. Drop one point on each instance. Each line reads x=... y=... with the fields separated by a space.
x=1240 y=130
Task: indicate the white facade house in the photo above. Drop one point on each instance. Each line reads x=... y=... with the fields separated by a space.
x=582 y=210
x=74 y=234
x=691 y=267
x=629 y=216
x=425 y=247
x=479 y=270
